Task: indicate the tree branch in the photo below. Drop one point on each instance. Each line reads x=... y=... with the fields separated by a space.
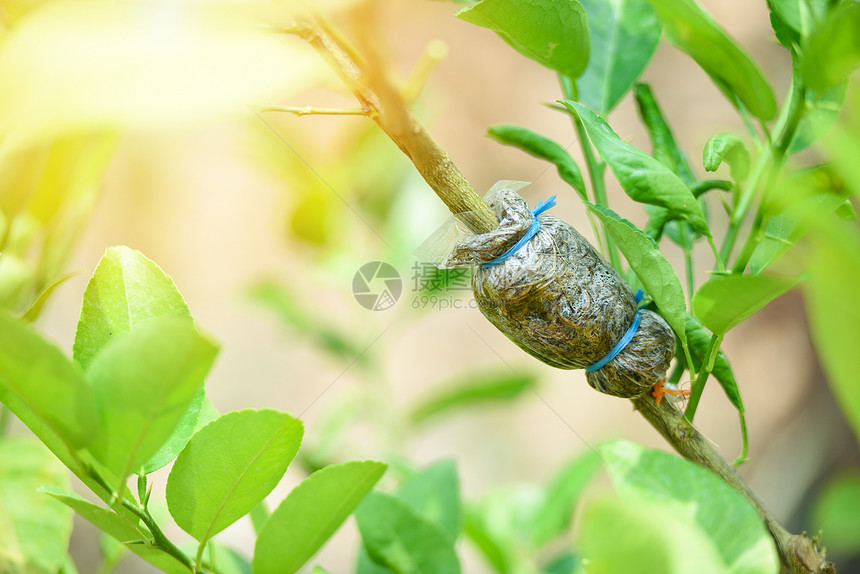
x=799 y=554
x=388 y=109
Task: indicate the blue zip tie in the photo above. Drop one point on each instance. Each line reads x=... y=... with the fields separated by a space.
x=535 y=226
x=619 y=346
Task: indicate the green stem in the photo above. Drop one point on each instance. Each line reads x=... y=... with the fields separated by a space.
x=200 y=549
x=745 y=116
x=746 y=196
x=691 y=284
x=696 y=395
x=742 y=457
x=769 y=162
x=141 y=489
x=159 y=540
x=700 y=187
x=689 y=360
x=596 y=231
x=729 y=241
x=721 y=268
x=702 y=377
x=750 y=244
x=796 y=106
x=595 y=174
x=596 y=168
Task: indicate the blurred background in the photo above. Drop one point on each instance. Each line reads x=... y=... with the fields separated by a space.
x=263 y=219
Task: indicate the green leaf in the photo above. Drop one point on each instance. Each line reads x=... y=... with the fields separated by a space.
x=822 y=111
x=434 y=494
x=53 y=184
x=364 y=565
x=833 y=50
x=846 y=211
x=119 y=528
x=564 y=563
x=643 y=178
x=730 y=149
x=228 y=467
x=639 y=536
x=144 y=382
x=227 y=560
x=16 y=275
x=112 y=552
x=699 y=340
x=501 y=524
x=35 y=309
x=49 y=393
x=295 y=314
x=809 y=199
x=472 y=390
x=800 y=15
x=561 y=495
x=396 y=537
x=724 y=302
x=664 y=148
x=691 y=29
x=843 y=147
x=311 y=513
x=624 y=35
x=834 y=313
x=496 y=554
x=259 y=515
x=230 y=561
x=836 y=513
x=126 y=289
x=652 y=269
x=34 y=530
x=543 y=148
x=551 y=32
x=208 y=413
x=44 y=388
x=68 y=566
x=735 y=535
x=785 y=35
x=189 y=423
x=700 y=188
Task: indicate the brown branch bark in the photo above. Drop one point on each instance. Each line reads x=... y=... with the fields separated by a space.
x=799 y=554
x=388 y=109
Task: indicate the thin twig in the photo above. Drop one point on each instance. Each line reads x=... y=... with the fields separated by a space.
x=312 y=111
x=435 y=52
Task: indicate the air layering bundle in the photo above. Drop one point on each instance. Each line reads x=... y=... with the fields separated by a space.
x=556 y=298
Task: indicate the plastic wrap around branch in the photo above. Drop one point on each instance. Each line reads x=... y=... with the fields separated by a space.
x=557 y=299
